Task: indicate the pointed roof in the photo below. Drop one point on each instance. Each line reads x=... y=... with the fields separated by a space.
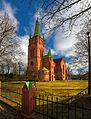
x=29 y=85
x=37 y=28
x=57 y=60
x=44 y=69
x=49 y=53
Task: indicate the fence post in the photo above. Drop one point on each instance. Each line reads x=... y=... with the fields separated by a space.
x=28 y=102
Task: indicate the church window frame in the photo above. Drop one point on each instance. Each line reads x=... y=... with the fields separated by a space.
x=41 y=53
x=32 y=63
x=63 y=69
x=32 y=52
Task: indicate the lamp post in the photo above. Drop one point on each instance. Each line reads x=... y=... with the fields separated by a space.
x=89 y=65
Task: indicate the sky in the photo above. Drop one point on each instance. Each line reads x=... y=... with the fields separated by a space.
x=24 y=13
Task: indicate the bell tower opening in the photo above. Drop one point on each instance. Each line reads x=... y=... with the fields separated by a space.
x=32 y=63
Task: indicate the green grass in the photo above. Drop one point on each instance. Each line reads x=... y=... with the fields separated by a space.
x=60 y=89
x=56 y=89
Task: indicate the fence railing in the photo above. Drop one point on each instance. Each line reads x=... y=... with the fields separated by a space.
x=81 y=93
x=59 y=110
x=11 y=93
x=12 y=97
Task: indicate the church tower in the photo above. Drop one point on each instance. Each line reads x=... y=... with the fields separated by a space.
x=36 y=51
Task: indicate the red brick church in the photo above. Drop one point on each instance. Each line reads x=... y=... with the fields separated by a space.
x=41 y=64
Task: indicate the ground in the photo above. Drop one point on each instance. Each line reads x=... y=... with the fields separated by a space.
x=6 y=112
x=60 y=89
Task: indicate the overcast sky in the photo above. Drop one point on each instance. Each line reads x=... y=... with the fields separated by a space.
x=24 y=16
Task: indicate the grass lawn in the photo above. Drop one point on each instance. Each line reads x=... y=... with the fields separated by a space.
x=60 y=89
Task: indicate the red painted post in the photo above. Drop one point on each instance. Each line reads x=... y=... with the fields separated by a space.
x=28 y=102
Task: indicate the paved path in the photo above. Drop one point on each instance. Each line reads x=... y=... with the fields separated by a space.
x=6 y=112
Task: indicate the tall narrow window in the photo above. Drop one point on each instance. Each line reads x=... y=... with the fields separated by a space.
x=32 y=52
x=52 y=77
x=54 y=70
x=32 y=63
x=63 y=69
x=41 y=53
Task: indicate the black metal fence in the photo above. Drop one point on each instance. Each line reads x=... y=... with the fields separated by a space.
x=11 y=95
x=50 y=108
x=47 y=107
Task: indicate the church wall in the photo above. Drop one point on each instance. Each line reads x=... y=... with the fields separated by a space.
x=36 y=50
x=58 y=71
x=31 y=57
x=44 y=76
x=49 y=64
x=64 y=70
x=39 y=49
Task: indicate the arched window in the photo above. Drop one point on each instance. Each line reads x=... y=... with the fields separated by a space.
x=32 y=63
x=41 y=53
x=52 y=77
x=63 y=69
x=32 y=52
x=54 y=70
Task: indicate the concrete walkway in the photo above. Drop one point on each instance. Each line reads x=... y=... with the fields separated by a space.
x=6 y=112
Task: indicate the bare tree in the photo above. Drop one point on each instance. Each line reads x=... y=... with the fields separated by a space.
x=79 y=60
x=81 y=49
x=81 y=46
x=57 y=13
x=82 y=58
x=9 y=42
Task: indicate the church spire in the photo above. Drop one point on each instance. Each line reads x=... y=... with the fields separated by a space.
x=49 y=53
x=37 y=29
